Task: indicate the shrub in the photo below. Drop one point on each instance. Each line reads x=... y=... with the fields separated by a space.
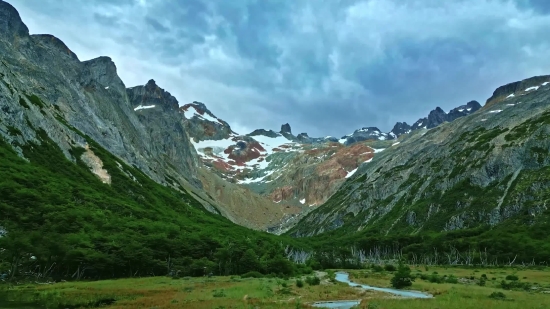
x=497 y=295
x=435 y=279
x=452 y=279
x=482 y=281
x=252 y=274
x=390 y=267
x=299 y=283
x=484 y=276
x=512 y=278
x=402 y=277
x=377 y=268
x=313 y=280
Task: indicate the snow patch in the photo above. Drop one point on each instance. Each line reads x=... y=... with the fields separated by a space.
x=532 y=88
x=253 y=180
x=469 y=109
x=510 y=96
x=510 y=104
x=461 y=110
x=397 y=143
x=483 y=119
x=495 y=111
x=378 y=150
x=303 y=201
x=350 y=173
x=107 y=87
x=143 y=107
x=545 y=83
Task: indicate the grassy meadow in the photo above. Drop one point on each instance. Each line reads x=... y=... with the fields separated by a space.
x=452 y=288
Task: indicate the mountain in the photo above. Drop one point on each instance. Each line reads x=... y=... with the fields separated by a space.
x=435 y=118
x=490 y=169
x=102 y=181
x=301 y=172
x=46 y=88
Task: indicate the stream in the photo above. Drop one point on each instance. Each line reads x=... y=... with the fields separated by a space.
x=346 y=304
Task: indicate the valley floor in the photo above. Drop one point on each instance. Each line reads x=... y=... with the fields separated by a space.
x=531 y=290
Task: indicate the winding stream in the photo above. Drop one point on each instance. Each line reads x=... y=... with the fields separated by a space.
x=346 y=304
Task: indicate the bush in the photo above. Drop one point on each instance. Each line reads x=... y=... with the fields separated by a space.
x=313 y=280
x=434 y=278
x=512 y=278
x=402 y=277
x=252 y=274
x=377 y=268
x=299 y=283
x=452 y=279
x=497 y=295
x=390 y=267
x=515 y=285
x=482 y=281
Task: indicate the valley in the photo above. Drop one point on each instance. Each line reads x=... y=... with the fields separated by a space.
x=124 y=197
x=453 y=287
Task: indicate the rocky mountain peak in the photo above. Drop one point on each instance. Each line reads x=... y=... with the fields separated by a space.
x=285 y=128
x=151 y=96
x=268 y=133
x=54 y=43
x=102 y=70
x=400 y=128
x=511 y=89
x=474 y=105
x=11 y=25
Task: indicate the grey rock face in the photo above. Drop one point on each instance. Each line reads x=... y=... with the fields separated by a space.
x=88 y=96
x=481 y=169
x=11 y=25
x=514 y=87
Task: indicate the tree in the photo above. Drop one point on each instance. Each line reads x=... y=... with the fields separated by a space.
x=249 y=262
x=402 y=277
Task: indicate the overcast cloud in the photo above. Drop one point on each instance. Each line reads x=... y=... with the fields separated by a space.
x=325 y=67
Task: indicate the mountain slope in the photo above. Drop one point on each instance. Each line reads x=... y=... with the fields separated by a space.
x=490 y=168
x=44 y=86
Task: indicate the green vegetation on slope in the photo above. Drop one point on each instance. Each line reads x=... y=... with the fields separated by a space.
x=63 y=222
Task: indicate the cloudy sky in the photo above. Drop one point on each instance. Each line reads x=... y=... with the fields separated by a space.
x=326 y=67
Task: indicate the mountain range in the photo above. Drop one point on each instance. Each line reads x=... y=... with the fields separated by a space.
x=473 y=166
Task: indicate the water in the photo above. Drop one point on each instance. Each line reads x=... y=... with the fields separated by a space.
x=344 y=277
x=338 y=304
x=347 y=304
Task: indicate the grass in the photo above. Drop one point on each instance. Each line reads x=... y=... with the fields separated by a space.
x=235 y=292
x=467 y=293
x=218 y=292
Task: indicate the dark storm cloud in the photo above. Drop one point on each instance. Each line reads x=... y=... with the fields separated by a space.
x=326 y=67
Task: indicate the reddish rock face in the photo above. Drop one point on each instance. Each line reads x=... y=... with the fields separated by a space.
x=281 y=194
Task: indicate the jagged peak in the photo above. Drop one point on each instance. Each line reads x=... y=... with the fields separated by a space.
x=285 y=128
x=11 y=24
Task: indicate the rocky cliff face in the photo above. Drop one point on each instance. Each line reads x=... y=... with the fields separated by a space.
x=46 y=92
x=489 y=168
